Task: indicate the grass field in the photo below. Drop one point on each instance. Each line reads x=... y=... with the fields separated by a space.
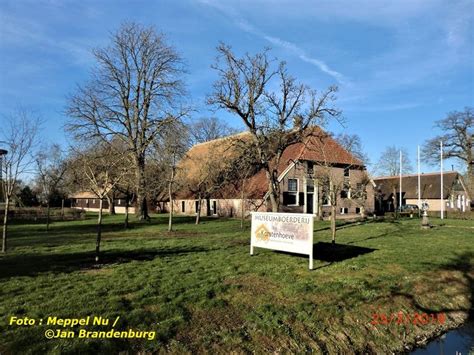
x=199 y=289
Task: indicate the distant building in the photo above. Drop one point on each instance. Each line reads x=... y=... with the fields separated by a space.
x=302 y=188
x=88 y=201
x=455 y=193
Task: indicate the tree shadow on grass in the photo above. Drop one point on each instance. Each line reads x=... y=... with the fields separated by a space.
x=79 y=228
x=462 y=262
x=35 y=264
x=383 y=235
x=75 y=229
x=346 y=224
x=332 y=253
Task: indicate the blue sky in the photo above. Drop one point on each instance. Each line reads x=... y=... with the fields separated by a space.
x=400 y=65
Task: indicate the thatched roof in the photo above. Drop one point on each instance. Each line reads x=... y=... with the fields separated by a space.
x=318 y=147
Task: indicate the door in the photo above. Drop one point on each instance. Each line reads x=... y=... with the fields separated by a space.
x=309 y=203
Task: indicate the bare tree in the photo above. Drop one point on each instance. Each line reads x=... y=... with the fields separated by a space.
x=359 y=193
x=209 y=128
x=337 y=180
x=98 y=170
x=51 y=166
x=276 y=119
x=243 y=165
x=205 y=169
x=389 y=162
x=207 y=179
x=353 y=144
x=134 y=93
x=169 y=150
x=125 y=187
x=458 y=141
x=19 y=136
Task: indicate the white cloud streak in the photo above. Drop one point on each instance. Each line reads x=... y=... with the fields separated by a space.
x=289 y=46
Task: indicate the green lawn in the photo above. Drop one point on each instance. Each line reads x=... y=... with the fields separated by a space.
x=200 y=290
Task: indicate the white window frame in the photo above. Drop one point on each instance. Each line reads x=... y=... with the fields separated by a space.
x=297 y=192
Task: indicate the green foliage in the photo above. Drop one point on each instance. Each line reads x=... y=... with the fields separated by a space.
x=27 y=197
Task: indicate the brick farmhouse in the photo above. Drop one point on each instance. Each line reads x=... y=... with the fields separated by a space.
x=304 y=172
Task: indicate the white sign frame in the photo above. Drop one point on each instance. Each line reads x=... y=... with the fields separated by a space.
x=285 y=226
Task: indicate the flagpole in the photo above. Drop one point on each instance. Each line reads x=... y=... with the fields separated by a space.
x=419 y=180
x=442 y=178
x=400 y=201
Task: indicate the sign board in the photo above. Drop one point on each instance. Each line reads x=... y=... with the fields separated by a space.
x=291 y=232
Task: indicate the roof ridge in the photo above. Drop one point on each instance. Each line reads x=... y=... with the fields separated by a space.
x=219 y=139
x=415 y=175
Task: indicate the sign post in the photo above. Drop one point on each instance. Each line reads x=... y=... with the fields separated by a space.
x=291 y=232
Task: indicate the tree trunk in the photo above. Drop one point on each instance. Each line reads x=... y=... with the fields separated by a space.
x=5 y=225
x=126 y=211
x=320 y=203
x=62 y=209
x=170 y=194
x=99 y=232
x=274 y=195
x=111 y=202
x=333 y=223
x=142 y=207
x=198 y=214
x=333 y=196
x=470 y=175
x=242 y=207
x=48 y=209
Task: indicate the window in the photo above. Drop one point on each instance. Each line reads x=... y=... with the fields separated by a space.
x=196 y=206
x=183 y=207
x=347 y=172
x=344 y=210
x=214 y=207
x=310 y=168
x=290 y=198
x=345 y=192
x=118 y=202
x=325 y=200
x=93 y=202
x=309 y=186
x=292 y=185
x=357 y=210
